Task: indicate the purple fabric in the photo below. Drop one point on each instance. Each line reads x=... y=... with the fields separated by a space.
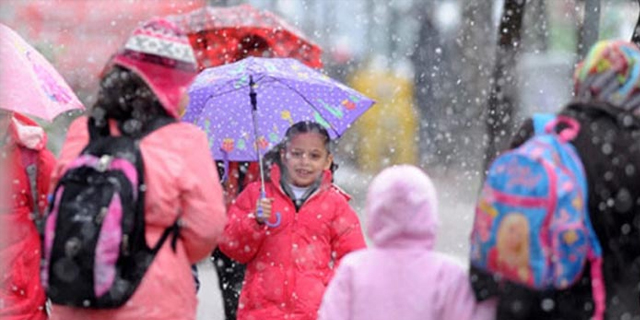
x=400 y=276
x=49 y=234
x=108 y=247
x=287 y=92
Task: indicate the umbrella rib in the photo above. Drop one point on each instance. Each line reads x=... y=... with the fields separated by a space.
x=228 y=91
x=284 y=84
x=307 y=101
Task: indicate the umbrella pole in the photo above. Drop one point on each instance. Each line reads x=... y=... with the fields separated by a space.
x=254 y=116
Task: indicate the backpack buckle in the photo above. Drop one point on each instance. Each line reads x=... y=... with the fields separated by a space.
x=104 y=162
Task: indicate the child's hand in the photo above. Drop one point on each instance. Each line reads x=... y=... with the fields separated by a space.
x=265 y=204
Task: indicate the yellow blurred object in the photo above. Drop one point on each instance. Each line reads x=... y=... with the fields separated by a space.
x=387 y=132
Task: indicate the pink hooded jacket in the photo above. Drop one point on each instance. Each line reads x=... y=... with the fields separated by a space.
x=181 y=180
x=400 y=276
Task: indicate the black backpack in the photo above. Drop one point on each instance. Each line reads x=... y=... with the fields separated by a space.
x=95 y=253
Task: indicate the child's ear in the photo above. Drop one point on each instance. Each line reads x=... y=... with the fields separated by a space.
x=327 y=165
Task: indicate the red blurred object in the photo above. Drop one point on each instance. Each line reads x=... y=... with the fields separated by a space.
x=78 y=36
x=221 y=35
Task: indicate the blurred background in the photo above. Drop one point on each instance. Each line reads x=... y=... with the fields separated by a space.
x=452 y=78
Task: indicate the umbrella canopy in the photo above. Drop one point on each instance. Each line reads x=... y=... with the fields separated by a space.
x=28 y=82
x=221 y=35
x=287 y=91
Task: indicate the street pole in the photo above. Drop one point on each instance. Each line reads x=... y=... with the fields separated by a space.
x=636 y=31
x=503 y=95
x=590 y=28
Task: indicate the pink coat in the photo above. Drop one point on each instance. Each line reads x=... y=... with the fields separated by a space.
x=21 y=294
x=181 y=179
x=400 y=276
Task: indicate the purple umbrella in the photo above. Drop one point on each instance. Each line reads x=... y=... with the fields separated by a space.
x=246 y=107
x=287 y=92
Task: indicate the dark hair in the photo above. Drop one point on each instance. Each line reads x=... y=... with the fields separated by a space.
x=308 y=127
x=273 y=155
x=125 y=97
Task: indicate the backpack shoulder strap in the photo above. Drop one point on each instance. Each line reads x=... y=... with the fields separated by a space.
x=540 y=121
x=173 y=231
x=96 y=131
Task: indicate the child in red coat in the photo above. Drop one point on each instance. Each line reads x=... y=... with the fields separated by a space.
x=306 y=226
x=23 y=145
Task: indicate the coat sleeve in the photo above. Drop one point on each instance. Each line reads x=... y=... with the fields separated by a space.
x=336 y=302
x=459 y=302
x=346 y=232
x=243 y=236
x=203 y=212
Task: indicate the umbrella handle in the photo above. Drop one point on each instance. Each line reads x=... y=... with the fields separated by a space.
x=274 y=224
x=259 y=213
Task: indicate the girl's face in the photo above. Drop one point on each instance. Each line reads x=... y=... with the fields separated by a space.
x=305 y=158
x=516 y=235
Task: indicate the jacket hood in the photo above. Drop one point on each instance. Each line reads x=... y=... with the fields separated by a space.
x=27 y=133
x=402 y=209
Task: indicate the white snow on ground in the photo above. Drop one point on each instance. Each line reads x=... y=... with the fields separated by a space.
x=209 y=297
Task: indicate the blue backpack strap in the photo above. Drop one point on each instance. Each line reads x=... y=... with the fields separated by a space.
x=572 y=161
x=540 y=120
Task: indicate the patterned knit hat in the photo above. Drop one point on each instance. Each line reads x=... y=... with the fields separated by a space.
x=161 y=55
x=610 y=73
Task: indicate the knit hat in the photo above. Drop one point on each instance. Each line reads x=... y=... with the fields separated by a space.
x=160 y=53
x=610 y=73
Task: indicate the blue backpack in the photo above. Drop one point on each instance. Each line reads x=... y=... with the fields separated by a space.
x=531 y=223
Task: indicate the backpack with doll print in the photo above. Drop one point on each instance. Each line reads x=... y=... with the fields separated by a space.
x=95 y=253
x=531 y=223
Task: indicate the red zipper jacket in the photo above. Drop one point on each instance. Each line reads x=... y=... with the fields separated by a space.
x=289 y=266
x=21 y=292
